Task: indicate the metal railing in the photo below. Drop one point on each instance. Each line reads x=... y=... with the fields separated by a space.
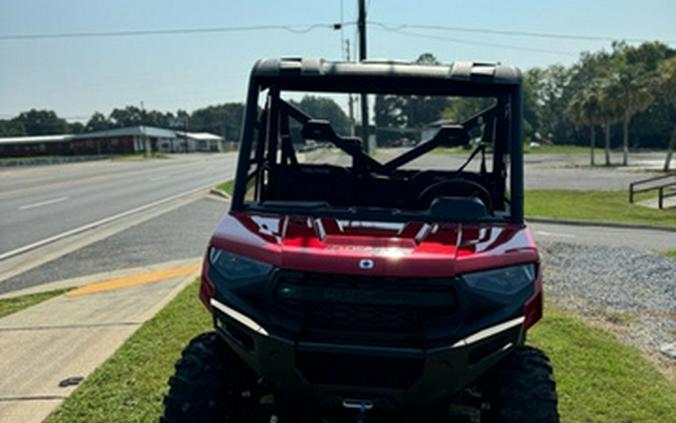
x=665 y=186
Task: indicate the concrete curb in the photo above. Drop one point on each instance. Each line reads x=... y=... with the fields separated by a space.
x=537 y=219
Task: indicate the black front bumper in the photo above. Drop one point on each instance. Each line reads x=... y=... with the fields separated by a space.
x=392 y=378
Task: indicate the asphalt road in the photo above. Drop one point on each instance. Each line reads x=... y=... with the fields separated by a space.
x=41 y=202
x=182 y=233
x=553 y=171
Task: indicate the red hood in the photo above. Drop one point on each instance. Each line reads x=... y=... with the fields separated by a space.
x=406 y=249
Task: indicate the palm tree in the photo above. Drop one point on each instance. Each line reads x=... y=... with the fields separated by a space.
x=609 y=112
x=629 y=87
x=666 y=84
x=584 y=110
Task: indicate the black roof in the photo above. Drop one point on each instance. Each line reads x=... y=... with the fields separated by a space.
x=458 y=72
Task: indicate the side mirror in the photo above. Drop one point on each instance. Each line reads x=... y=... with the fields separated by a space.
x=317 y=129
x=321 y=130
x=452 y=136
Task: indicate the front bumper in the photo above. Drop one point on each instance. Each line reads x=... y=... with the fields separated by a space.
x=392 y=378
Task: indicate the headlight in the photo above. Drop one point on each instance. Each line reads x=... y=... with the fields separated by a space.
x=505 y=281
x=237 y=268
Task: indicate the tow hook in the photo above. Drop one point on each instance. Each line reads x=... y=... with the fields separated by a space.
x=357 y=404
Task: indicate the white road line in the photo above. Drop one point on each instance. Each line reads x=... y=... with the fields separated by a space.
x=103 y=221
x=43 y=203
x=557 y=234
x=158 y=178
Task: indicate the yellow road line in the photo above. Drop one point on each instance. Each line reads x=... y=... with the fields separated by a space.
x=135 y=280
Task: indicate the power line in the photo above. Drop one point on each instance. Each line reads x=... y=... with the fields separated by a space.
x=304 y=29
x=476 y=43
x=295 y=29
x=509 y=33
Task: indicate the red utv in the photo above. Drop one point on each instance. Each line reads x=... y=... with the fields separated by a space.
x=355 y=287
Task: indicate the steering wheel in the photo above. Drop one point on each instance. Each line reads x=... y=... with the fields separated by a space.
x=456 y=188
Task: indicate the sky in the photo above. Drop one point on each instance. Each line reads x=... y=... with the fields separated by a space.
x=78 y=76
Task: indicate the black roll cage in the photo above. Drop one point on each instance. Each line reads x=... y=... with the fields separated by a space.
x=508 y=95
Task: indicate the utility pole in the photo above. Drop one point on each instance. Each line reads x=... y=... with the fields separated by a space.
x=147 y=147
x=361 y=26
x=350 y=100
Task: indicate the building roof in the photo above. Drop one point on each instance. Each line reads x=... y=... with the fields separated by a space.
x=36 y=139
x=200 y=136
x=149 y=131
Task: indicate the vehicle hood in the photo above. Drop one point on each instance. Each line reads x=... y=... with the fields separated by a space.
x=374 y=248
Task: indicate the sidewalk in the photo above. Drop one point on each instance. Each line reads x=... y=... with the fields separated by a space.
x=71 y=335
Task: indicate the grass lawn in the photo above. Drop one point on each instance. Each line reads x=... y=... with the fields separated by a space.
x=129 y=387
x=12 y=305
x=600 y=380
x=138 y=156
x=594 y=205
x=226 y=186
x=544 y=149
x=557 y=149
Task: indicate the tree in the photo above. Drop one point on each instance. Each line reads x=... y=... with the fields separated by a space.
x=610 y=112
x=129 y=116
x=550 y=89
x=629 y=88
x=398 y=114
x=41 y=122
x=223 y=119
x=326 y=108
x=11 y=128
x=532 y=107
x=97 y=122
x=76 y=128
x=584 y=110
x=667 y=89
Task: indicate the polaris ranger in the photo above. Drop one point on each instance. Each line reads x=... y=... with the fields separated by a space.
x=392 y=286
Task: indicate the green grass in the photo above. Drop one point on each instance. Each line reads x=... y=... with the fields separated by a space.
x=599 y=379
x=544 y=149
x=130 y=386
x=226 y=186
x=455 y=151
x=669 y=253
x=595 y=206
x=557 y=149
x=12 y=305
x=138 y=156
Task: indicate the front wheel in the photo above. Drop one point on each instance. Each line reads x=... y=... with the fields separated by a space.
x=523 y=389
x=211 y=384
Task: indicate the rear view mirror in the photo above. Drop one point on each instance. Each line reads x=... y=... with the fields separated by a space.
x=452 y=136
x=320 y=130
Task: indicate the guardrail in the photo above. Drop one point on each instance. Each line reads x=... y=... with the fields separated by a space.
x=665 y=186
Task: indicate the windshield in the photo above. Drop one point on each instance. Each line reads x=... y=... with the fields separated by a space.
x=440 y=156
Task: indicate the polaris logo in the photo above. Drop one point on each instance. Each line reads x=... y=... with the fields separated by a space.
x=366 y=264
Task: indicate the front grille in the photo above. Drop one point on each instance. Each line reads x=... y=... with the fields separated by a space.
x=354 y=370
x=364 y=309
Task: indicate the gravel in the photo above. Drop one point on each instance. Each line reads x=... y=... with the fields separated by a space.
x=629 y=288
